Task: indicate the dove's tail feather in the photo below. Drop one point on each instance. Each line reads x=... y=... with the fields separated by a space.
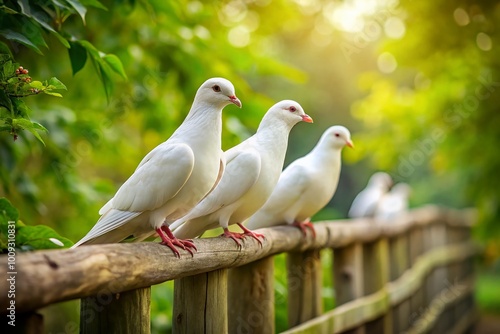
x=111 y=227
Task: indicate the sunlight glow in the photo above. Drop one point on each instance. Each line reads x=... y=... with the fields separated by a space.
x=387 y=63
x=350 y=15
x=484 y=41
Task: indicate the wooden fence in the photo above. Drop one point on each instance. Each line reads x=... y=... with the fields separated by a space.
x=410 y=275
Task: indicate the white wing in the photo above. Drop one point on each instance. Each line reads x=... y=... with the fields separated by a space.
x=241 y=173
x=157 y=180
x=291 y=185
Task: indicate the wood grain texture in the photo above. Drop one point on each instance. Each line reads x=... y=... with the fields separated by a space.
x=251 y=297
x=200 y=303
x=46 y=277
x=368 y=308
x=127 y=312
x=305 y=281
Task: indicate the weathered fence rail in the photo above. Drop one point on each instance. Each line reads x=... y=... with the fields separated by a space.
x=413 y=274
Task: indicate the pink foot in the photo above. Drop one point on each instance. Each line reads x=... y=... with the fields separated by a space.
x=233 y=235
x=304 y=226
x=254 y=235
x=171 y=241
x=184 y=244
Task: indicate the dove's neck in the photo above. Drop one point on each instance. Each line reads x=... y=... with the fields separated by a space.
x=202 y=122
x=274 y=137
x=326 y=154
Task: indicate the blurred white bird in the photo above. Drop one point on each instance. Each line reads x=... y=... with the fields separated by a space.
x=173 y=177
x=306 y=185
x=252 y=170
x=394 y=202
x=366 y=201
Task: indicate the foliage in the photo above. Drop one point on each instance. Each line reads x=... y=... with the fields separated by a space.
x=26 y=238
x=16 y=84
x=132 y=68
x=436 y=115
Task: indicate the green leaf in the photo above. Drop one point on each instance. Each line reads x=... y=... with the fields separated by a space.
x=7 y=211
x=81 y=10
x=56 y=83
x=5 y=100
x=39 y=237
x=26 y=124
x=5 y=50
x=39 y=126
x=9 y=68
x=15 y=36
x=115 y=63
x=107 y=81
x=78 y=56
x=93 y=52
x=7 y=10
x=41 y=19
x=36 y=134
x=20 y=108
x=48 y=92
x=37 y=85
x=94 y=3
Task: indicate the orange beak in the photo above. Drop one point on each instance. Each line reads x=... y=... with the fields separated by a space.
x=350 y=144
x=235 y=100
x=306 y=118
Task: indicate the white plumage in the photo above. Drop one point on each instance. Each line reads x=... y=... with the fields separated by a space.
x=252 y=170
x=366 y=201
x=394 y=202
x=306 y=185
x=173 y=177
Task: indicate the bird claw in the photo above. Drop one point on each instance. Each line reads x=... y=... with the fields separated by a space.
x=170 y=245
x=233 y=235
x=171 y=241
x=252 y=234
x=304 y=226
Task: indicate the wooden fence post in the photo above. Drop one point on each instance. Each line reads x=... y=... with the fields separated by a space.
x=399 y=263
x=304 y=278
x=376 y=267
x=251 y=297
x=416 y=249
x=200 y=303
x=124 y=312
x=348 y=275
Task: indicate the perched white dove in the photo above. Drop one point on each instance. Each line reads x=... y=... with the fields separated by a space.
x=306 y=185
x=366 y=201
x=394 y=202
x=252 y=170
x=173 y=177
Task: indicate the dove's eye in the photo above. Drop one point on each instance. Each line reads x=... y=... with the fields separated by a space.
x=216 y=88
x=292 y=109
x=337 y=135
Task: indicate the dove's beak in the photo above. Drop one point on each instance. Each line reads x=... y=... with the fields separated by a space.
x=307 y=118
x=350 y=144
x=235 y=100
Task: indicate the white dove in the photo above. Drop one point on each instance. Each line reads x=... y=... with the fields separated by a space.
x=252 y=170
x=394 y=202
x=173 y=177
x=306 y=185
x=366 y=201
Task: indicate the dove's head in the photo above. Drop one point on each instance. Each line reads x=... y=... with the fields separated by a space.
x=338 y=136
x=218 y=92
x=382 y=180
x=289 y=111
